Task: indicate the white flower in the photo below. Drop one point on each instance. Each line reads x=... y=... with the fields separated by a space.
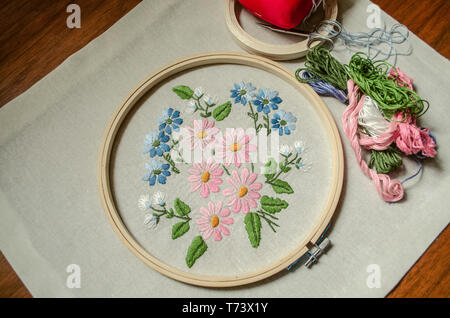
x=299 y=147
x=304 y=165
x=210 y=100
x=159 y=198
x=285 y=150
x=199 y=91
x=191 y=107
x=144 y=202
x=150 y=221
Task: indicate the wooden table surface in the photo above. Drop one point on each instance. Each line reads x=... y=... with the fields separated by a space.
x=34 y=39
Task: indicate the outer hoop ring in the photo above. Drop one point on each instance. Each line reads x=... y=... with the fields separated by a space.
x=193 y=62
x=272 y=51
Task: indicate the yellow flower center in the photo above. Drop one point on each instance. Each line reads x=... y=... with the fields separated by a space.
x=242 y=191
x=201 y=134
x=205 y=176
x=214 y=221
x=235 y=147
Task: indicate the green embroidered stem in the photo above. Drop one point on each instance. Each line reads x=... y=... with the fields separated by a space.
x=169 y=214
x=280 y=186
x=220 y=112
x=174 y=147
x=254 y=116
x=267 y=124
x=204 y=109
x=171 y=162
x=264 y=215
x=226 y=170
x=284 y=168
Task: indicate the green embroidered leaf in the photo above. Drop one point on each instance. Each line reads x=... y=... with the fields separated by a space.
x=184 y=92
x=179 y=229
x=197 y=248
x=181 y=207
x=253 y=228
x=280 y=186
x=273 y=205
x=270 y=168
x=222 y=112
x=285 y=169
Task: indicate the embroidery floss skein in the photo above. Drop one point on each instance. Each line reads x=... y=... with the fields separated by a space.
x=371 y=119
x=389 y=190
x=325 y=89
x=372 y=40
x=323 y=66
x=372 y=77
x=384 y=119
x=385 y=161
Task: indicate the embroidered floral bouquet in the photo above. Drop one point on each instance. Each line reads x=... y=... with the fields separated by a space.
x=223 y=162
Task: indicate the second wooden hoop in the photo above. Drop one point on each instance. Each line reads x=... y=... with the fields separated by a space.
x=272 y=51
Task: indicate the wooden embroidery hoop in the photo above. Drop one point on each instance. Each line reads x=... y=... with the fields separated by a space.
x=190 y=63
x=272 y=51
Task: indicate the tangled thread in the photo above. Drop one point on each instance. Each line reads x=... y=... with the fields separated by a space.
x=381 y=115
x=374 y=41
x=389 y=190
x=373 y=78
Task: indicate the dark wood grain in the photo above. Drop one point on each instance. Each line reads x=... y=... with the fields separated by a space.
x=34 y=37
x=430 y=276
x=10 y=284
x=34 y=40
x=428 y=19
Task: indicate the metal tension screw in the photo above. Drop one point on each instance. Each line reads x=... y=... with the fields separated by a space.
x=316 y=251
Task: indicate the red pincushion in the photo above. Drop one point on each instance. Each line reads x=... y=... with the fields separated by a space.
x=282 y=13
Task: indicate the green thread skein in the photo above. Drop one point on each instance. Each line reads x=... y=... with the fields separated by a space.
x=373 y=80
x=385 y=161
x=372 y=77
x=321 y=64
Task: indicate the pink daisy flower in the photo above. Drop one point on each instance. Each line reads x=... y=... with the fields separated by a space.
x=206 y=177
x=201 y=135
x=213 y=221
x=235 y=147
x=243 y=192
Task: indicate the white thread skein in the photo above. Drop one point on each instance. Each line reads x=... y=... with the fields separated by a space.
x=371 y=118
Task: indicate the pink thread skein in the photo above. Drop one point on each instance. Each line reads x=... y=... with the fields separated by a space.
x=389 y=190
